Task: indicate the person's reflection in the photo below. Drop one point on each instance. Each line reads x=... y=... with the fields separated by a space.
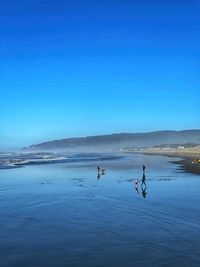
x=98 y=176
x=136 y=189
x=143 y=179
x=144 y=192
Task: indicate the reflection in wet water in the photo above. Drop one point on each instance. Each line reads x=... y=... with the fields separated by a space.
x=144 y=191
x=143 y=180
x=136 y=189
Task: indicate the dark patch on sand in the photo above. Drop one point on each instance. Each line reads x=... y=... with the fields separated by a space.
x=186 y=165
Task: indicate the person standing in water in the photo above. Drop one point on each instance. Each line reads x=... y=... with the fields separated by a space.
x=98 y=168
x=143 y=168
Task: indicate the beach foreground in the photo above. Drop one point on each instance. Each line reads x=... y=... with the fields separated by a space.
x=66 y=214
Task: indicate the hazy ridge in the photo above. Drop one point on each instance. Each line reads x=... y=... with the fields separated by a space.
x=119 y=141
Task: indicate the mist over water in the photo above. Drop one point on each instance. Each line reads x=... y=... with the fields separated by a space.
x=66 y=214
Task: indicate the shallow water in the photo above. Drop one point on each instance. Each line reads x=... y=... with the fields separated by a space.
x=65 y=215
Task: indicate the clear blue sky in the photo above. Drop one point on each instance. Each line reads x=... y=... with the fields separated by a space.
x=75 y=68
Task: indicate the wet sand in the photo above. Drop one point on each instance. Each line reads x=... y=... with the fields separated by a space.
x=65 y=215
x=187 y=166
x=186 y=163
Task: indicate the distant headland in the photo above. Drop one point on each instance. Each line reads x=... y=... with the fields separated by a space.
x=121 y=141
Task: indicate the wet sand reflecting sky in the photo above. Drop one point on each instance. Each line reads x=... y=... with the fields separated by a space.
x=68 y=215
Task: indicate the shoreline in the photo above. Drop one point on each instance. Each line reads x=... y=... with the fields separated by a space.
x=184 y=160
